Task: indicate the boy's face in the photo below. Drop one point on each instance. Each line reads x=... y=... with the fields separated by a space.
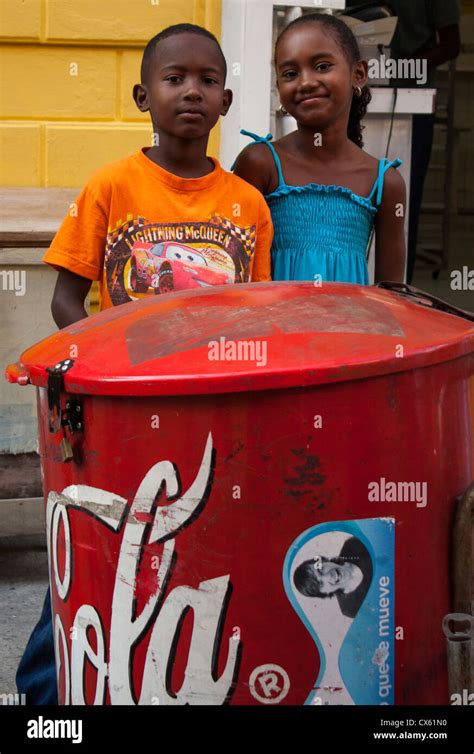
x=184 y=91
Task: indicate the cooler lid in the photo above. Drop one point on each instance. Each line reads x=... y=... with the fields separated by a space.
x=243 y=337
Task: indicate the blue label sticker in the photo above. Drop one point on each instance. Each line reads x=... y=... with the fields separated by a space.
x=339 y=577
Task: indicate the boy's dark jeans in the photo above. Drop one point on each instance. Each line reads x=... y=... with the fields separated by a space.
x=36 y=674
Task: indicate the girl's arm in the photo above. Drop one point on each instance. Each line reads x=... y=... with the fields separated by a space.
x=390 y=246
x=256 y=166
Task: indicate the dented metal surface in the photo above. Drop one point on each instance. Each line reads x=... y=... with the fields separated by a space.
x=184 y=343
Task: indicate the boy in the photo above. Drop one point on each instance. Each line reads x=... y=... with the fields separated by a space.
x=164 y=219
x=168 y=217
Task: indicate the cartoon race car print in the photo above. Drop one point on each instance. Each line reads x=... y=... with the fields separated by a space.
x=171 y=266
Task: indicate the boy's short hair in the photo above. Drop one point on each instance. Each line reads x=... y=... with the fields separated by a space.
x=171 y=31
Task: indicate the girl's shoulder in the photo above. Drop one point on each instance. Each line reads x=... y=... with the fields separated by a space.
x=384 y=165
x=394 y=189
x=375 y=162
x=256 y=165
x=389 y=187
x=255 y=153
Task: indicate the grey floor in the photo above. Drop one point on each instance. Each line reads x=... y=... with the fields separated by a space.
x=23 y=558
x=23 y=584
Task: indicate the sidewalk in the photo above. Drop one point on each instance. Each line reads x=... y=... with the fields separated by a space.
x=23 y=584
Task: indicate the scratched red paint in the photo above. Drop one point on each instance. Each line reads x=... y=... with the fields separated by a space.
x=403 y=419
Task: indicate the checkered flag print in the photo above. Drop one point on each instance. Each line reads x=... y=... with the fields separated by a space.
x=245 y=235
x=116 y=235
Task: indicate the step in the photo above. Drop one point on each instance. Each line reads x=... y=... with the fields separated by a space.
x=432 y=208
x=22 y=516
x=432 y=247
x=32 y=216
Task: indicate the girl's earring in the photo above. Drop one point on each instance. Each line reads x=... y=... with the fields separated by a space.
x=282 y=110
x=358 y=91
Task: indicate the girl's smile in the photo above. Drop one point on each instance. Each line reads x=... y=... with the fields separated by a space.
x=314 y=100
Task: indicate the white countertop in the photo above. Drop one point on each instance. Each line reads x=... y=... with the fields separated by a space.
x=316 y=4
x=409 y=101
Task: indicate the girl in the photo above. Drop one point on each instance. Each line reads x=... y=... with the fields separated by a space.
x=324 y=192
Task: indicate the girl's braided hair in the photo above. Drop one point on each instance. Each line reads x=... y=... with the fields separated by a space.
x=342 y=34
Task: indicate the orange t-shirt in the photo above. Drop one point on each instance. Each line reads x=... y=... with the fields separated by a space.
x=139 y=229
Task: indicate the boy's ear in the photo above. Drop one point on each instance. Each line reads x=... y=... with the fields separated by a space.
x=226 y=101
x=140 y=95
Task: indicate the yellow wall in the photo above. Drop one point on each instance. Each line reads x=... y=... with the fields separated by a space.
x=67 y=71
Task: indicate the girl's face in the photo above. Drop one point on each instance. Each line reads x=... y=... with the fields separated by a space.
x=315 y=80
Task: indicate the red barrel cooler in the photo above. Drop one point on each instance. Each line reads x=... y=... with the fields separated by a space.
x=250 y=494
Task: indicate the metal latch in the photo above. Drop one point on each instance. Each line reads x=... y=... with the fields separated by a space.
x=59 y=418
x=459 y=631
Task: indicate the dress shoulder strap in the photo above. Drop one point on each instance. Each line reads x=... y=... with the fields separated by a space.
x=384 y=165
x=266 y=140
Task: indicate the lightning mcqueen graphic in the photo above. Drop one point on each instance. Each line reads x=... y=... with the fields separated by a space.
x=172 y=266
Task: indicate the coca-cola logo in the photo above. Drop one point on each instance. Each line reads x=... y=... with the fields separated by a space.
x=112 y=655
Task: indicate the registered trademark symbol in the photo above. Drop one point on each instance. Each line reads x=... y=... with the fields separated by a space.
x=269 y=684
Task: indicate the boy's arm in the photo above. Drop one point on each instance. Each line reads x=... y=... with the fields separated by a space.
x=67 y=305
x=390 y=246
x=77 y=252
x=261 y=265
